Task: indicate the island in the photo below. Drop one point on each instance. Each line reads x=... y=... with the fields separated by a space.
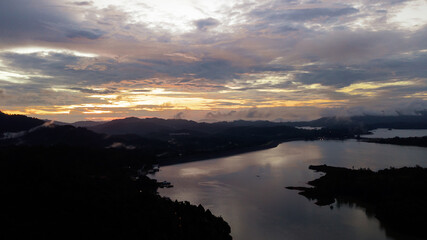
x=395 y=196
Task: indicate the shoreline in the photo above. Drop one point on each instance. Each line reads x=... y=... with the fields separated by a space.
x=203 y=157
x=275 y=143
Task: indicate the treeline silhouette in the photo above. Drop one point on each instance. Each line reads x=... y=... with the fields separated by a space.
x=16 y=123
x=396 y=196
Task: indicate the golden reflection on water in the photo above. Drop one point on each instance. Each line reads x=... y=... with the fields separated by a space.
x=285 y=156
x=248 y=190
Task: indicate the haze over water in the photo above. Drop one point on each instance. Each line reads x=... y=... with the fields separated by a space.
x=248 y=190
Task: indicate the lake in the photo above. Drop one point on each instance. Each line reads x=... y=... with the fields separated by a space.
x=248 y=190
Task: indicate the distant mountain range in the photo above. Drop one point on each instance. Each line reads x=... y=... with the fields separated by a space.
x=156 y=126
x=369 y=122
x=147 y=126
x=172 y=138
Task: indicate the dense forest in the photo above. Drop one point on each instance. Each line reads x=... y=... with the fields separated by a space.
x=78 y=192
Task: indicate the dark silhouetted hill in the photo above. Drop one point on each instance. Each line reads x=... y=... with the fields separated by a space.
x=64 y=135
x=133 y=125
x=369 y=122
x=17 y=123
x=149 y=126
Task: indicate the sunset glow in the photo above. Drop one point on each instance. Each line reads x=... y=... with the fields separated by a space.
x=107 y=59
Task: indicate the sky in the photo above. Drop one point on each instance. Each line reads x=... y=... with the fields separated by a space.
x=222 y=60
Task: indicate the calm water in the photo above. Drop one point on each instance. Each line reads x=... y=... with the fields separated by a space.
x=248 y=190
x=386 y=133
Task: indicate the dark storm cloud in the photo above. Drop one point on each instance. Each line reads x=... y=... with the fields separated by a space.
x=205 y=24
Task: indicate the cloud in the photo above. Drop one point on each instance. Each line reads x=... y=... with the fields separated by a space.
x=44 y=23
x=305 y=14
x=352 y=46
x=92 y=34
x=252 y=113
x=23 y=21
x=83 y=3
x=219 y=115
x=339 y=75
x=180 y=115
x=93 y=91
x=206 y=24
x=263 y=54
x=273 y=113
x=402 y=107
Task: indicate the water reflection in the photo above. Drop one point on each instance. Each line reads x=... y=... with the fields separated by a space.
x=248 y=191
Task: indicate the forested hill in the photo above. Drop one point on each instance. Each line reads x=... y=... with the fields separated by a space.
x=16 y=123
x=369 y=122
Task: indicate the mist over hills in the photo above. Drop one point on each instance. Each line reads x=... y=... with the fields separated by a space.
x=179 y=134
x=17 y=123
x=360 y=124
x=165 y=139
x=171 y=138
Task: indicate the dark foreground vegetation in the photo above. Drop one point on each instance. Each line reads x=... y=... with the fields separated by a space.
x=61 y=192
x=409 y=141
x=397 y=197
